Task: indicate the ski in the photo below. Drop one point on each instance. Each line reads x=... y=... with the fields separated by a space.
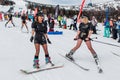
x=115 y=54
x=75 y=63
x=30 y=71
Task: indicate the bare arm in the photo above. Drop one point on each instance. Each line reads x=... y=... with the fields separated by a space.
x=76 y=37
x=33 y=32
x=32 y=36
x=78 y=32
x=46 y=36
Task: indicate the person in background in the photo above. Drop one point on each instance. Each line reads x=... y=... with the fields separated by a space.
x=64 y=22
x=24 y=17
x=111 y=25
x=94 y=23
x=107 y=28
x=118 y=28
x=59 y=20
x=51 y=27
x=1 y=16
x=114 y=30
x=75 y=23
x=10 y=16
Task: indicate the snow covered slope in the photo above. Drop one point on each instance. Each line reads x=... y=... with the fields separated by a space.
x=16 y=52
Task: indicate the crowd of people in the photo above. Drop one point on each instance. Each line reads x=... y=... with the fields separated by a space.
x=112 y=27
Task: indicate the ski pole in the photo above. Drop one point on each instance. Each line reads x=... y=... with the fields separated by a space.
x=104 y=42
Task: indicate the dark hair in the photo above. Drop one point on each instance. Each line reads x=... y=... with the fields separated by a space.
x=39 y=14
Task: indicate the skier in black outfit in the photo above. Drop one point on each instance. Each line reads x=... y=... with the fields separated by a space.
x=23 y=17
x=84 y=33
x=39 y=34
x=10 y=20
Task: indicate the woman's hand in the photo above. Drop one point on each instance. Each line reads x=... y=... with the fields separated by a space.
x=49 y=41
x=87 y=39
x=31 y=39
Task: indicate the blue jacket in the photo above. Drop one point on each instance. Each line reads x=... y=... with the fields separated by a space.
x=107 y=24
x=118 y=24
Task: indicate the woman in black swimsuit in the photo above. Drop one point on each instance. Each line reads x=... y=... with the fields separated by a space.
x=10 y=20
x=84 y=33
x=23 y=17
x=39 y=34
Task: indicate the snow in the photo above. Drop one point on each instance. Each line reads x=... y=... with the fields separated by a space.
x=17 y=52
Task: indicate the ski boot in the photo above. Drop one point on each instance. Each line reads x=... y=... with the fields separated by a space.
x=36 y=63
x=48 y=61
x=70 y=55
x=96 y=58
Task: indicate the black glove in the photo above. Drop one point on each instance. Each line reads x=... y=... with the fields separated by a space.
x=49 y=41
x=75 y=39
x=31 y=39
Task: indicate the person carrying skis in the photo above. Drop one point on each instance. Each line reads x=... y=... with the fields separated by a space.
x=83 y=34
x=39 y=34
x=10 y=20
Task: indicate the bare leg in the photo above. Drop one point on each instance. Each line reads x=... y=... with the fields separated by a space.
x=88 y=43
x=37 y=47
x=36 y=57
x=26 y=27
x=12 y=23
x=6 y=23
x=69 y=55
x=45 y=48
x=94 y=55
x=47 y=57
x=79 y=41
x=22 y=26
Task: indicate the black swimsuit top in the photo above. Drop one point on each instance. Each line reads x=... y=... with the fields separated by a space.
x=85 y=27
x=40 y=28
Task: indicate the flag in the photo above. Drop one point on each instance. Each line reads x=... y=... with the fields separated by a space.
x=56 y=11
x=80 y=11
